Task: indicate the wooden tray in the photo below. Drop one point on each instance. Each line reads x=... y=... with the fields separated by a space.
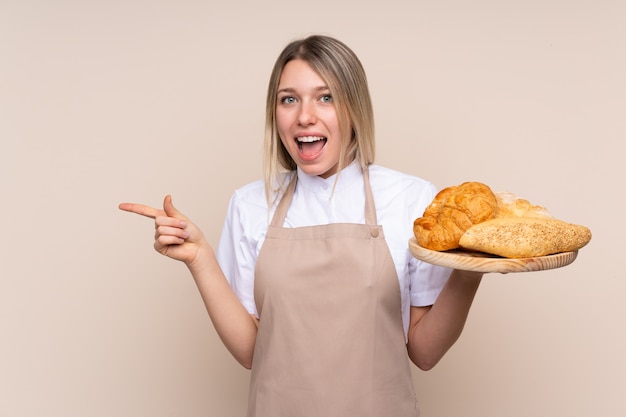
x=484 y=262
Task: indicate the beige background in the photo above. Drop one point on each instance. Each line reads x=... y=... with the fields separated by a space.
x=110 y=101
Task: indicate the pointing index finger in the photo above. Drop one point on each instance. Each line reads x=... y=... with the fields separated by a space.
x=141 y=209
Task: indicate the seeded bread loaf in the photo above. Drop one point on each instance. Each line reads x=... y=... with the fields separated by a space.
x=525 y=237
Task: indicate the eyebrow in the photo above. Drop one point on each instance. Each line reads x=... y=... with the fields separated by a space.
x=292 y=90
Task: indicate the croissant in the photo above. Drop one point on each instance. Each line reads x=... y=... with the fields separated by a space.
x=454 y=210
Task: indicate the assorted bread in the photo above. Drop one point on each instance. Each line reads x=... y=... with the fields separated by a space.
x=471 y=216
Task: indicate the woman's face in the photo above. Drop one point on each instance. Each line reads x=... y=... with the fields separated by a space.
x=306 y=119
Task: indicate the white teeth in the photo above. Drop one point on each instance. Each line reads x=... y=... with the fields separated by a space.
x=309 y=138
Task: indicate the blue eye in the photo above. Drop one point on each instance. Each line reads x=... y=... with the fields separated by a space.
x=287 y=100
x=327 y=98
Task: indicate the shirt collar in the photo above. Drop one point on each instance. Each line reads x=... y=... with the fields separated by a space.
x=344 y=178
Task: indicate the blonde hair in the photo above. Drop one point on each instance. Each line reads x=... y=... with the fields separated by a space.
x=343 y=72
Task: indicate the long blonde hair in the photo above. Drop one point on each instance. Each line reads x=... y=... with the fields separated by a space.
x=343 y=72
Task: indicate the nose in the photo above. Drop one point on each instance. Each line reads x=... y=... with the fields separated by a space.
x=307 y=115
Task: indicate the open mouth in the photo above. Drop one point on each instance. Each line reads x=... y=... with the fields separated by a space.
x=311 y=145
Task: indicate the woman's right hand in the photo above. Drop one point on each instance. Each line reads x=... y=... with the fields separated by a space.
x=175 y=235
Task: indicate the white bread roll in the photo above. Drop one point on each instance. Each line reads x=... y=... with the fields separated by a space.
x=511 y=205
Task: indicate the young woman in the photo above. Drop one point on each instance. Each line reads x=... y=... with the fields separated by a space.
x=313 y=286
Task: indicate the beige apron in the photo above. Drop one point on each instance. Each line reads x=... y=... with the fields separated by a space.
x=330 y=341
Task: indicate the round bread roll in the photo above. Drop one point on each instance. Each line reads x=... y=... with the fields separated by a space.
x=454 y=210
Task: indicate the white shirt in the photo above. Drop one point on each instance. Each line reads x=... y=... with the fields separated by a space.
x=399 y=200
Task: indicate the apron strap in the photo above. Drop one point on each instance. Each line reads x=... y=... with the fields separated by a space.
x=370 y=208
x=281 y=211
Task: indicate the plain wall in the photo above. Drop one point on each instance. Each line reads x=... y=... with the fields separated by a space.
x=110 y=101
